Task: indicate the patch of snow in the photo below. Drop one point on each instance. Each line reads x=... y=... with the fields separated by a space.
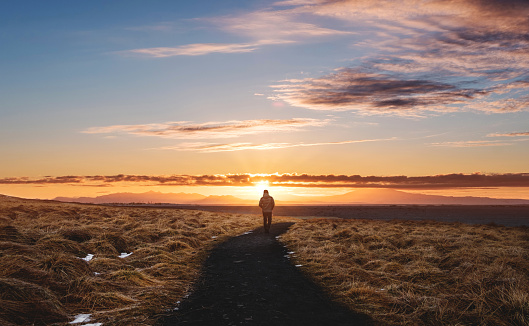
x=214 y=237
x=290 y=252
x=245 y=233
x=88 y=257
x=97 y=274
x=124 y=255
x=299 y=265
x=81 y=318
x=94 y=324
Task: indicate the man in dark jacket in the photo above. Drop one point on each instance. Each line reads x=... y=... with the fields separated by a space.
x=267 y=205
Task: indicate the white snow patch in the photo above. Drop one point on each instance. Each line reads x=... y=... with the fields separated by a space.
x=245 y=233
x=97 y=274
x=299 y=265
x=290 y=252
x=88 y=257
x=124 y=255
x=214 y=237
x=94 y=324
x=81 y=318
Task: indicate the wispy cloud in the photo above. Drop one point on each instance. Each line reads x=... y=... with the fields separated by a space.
x=278 y=25
x=198 y=49
x=472 y=143
x=225 y=129
x=261 y=28
x=211 y=148
x=291 y=180
x=510 y=134
x=159 y=27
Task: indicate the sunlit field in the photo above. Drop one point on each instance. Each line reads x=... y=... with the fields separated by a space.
x=419 y=273
x=144 y=260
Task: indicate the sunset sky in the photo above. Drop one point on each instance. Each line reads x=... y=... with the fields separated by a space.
x=212 y=97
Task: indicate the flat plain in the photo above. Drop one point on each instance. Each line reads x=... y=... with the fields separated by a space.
x=507 y=215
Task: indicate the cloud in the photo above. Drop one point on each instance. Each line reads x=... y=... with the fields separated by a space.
x=194 y=49
x=472 y=55
x=475 y=180
x=212 y=148
x=352 y=89
x=159 y=27
x=510 y=134
x=420 y=57
x=472 y=143
x=263 y=28
x=275 y=25
x=225 y=129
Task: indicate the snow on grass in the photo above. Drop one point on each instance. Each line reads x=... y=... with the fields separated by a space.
x=88 y=257
x=124 y=255
x=81 y=318
x=246 y=233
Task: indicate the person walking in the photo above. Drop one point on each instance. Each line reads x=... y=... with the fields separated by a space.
x=267 y=205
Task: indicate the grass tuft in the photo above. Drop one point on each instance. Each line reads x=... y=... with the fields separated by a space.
x=25 y=303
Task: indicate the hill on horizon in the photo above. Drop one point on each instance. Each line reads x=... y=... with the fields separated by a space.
x=145 y=198
x=357 y=197
x=392 y=196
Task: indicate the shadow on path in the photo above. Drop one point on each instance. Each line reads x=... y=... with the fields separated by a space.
x=247 y=280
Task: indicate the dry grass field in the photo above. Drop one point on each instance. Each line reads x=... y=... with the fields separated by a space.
x=398 y=272
x=419 y=273
x=44 y=280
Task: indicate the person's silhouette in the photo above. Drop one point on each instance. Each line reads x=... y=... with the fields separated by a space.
x=267 y=205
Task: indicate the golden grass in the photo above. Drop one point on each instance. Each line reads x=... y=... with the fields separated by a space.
x=398 y=272
x=419 y=273
x=43 y=279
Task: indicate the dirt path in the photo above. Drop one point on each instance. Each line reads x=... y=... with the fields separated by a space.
x=248 y=280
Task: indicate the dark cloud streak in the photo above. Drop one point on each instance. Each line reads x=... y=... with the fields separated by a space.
x=476 y=180
x=354 y=89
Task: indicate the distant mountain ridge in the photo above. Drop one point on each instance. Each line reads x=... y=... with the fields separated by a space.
x=145 y=198
x=391 y=196
x=358 y=197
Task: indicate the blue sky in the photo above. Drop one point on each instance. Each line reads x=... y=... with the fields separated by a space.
x=228 y=87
